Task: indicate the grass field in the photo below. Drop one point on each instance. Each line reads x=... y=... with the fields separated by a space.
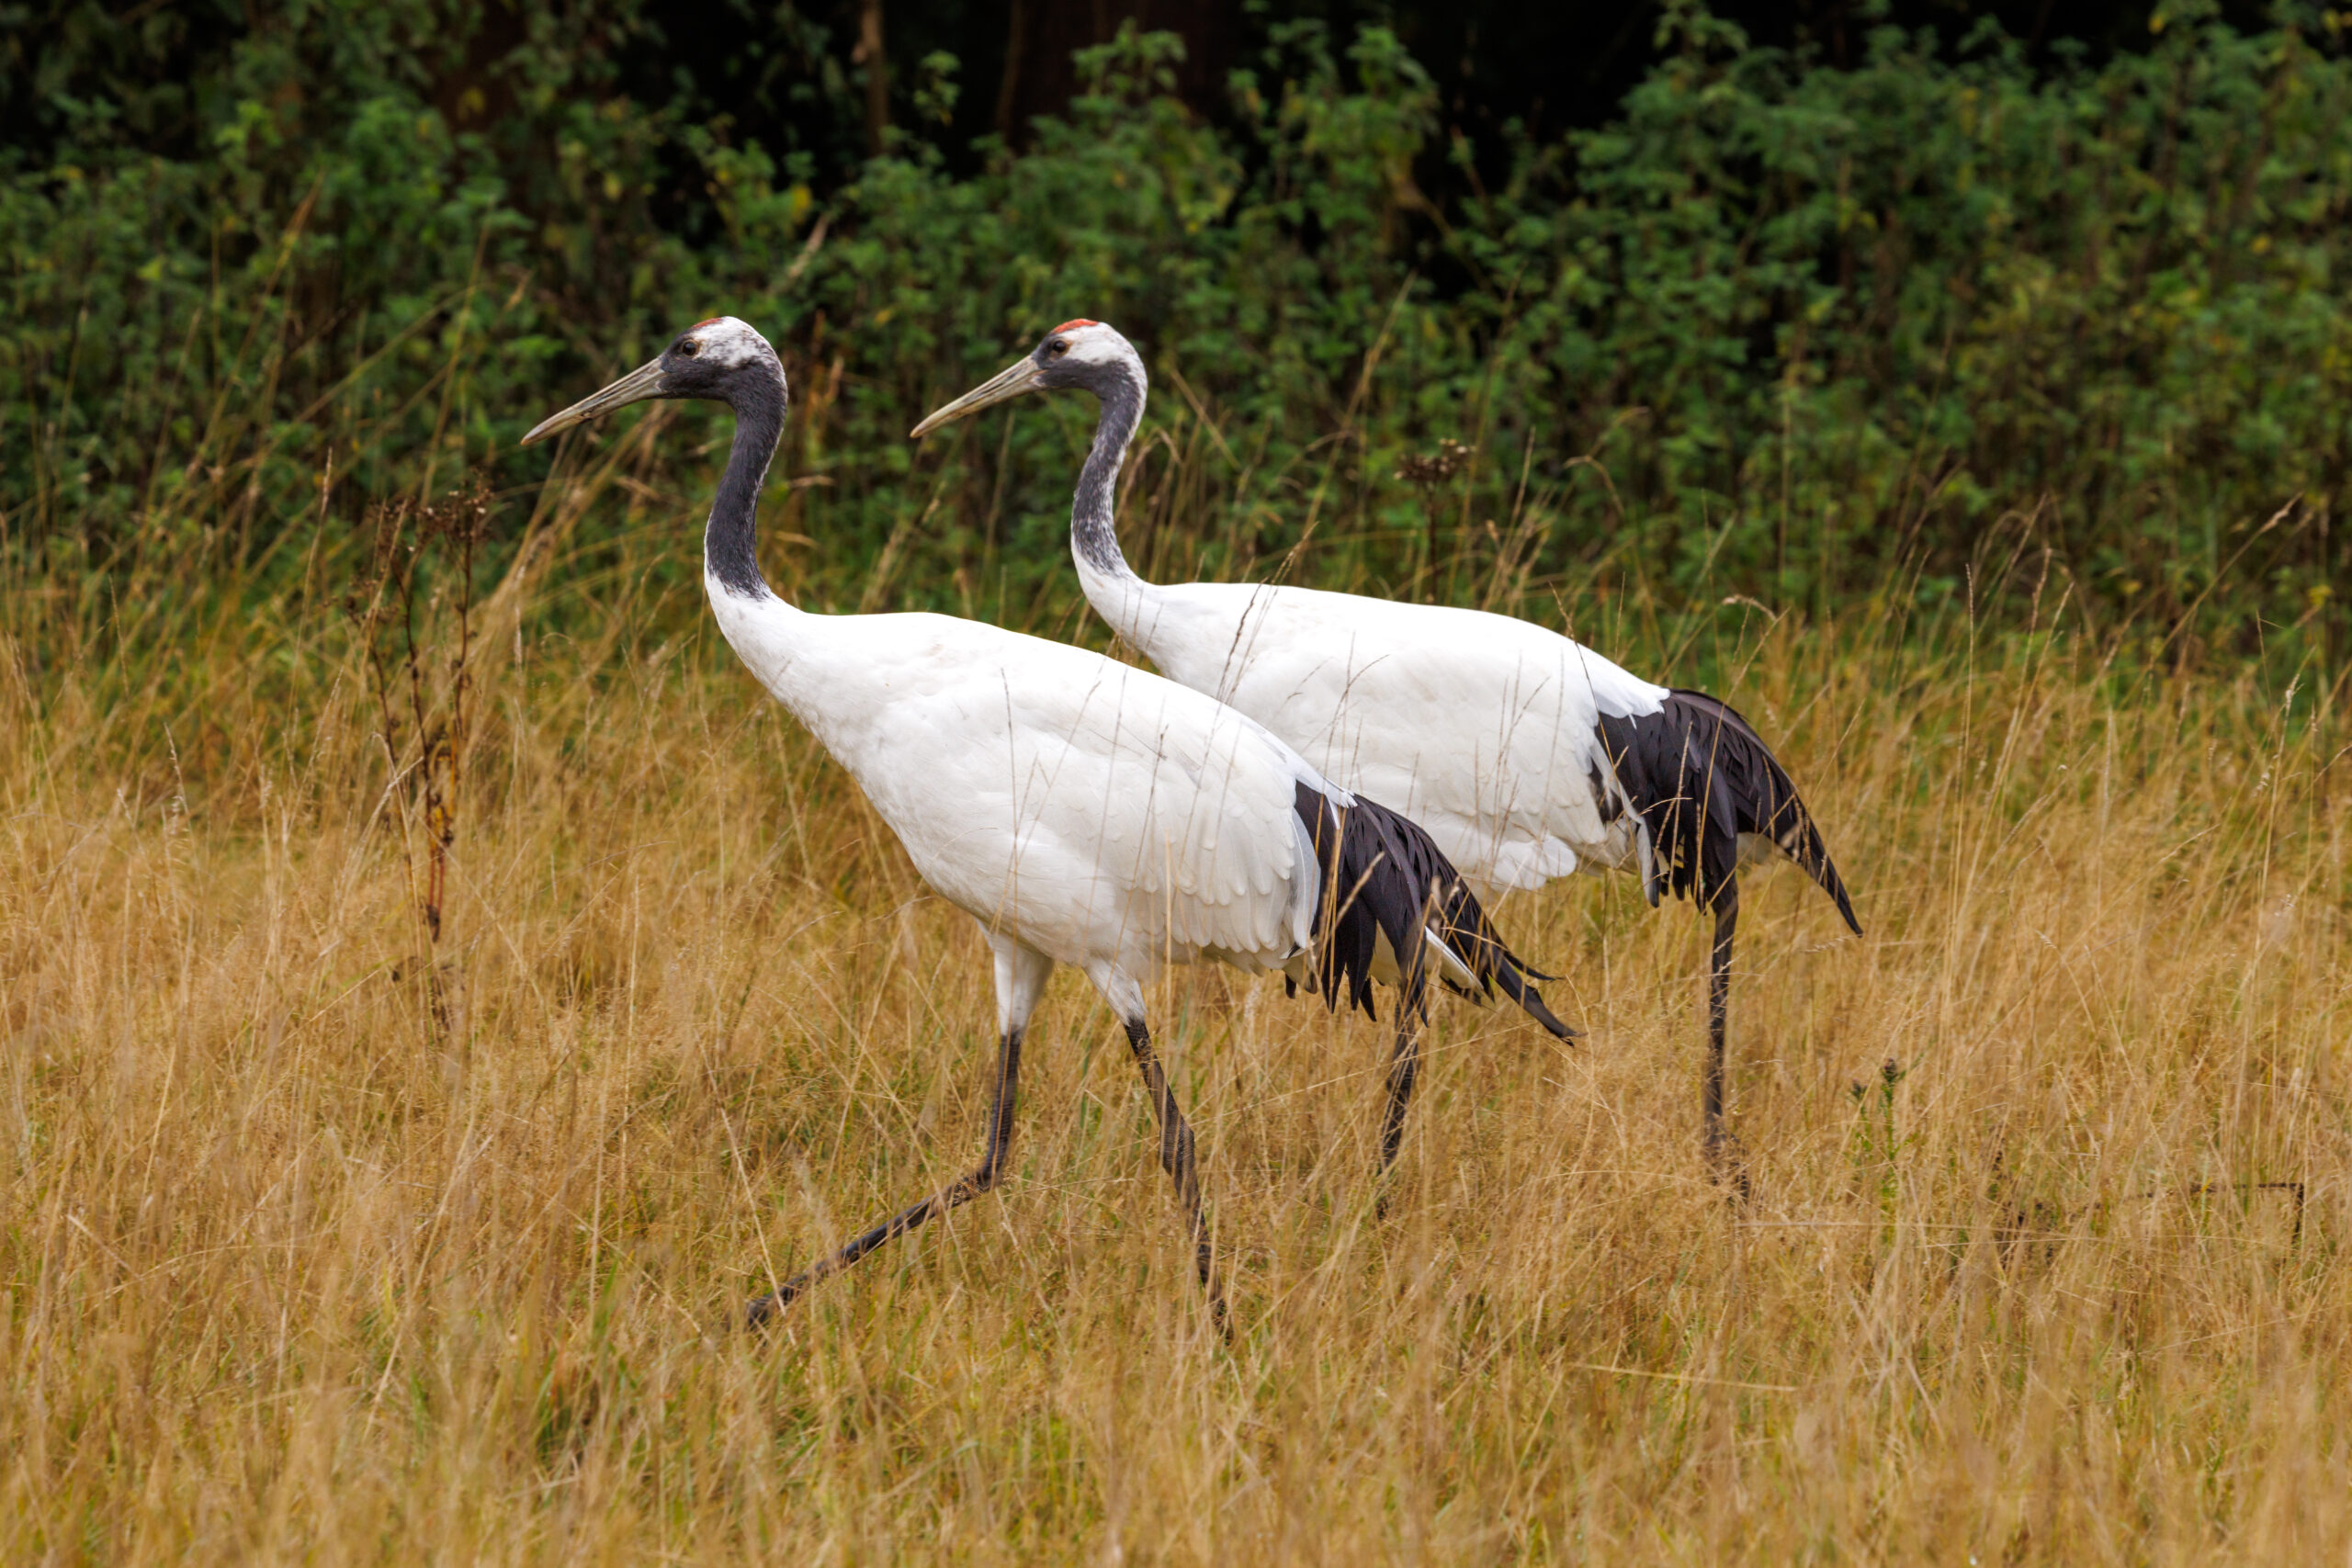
x=321 y=1242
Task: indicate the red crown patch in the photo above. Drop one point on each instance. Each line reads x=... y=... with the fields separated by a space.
x=706 y=322
x=1072 y=326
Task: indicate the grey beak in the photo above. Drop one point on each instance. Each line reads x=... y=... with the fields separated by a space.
x=639 y=384
x=1015 y=379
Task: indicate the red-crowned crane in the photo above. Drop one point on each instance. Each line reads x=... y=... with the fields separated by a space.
x=1083 y=812
x=1524 y=755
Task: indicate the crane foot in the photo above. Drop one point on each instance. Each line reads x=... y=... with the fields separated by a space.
x=1727 y=1165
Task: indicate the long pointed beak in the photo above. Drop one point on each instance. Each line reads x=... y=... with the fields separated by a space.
x=639 y=384
x=1015 y=379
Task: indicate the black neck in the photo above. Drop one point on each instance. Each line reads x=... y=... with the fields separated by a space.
x=730 y=545
x=1093 y=510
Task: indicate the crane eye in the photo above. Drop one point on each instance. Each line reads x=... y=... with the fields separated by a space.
x=1058 y=348
x=689 y=348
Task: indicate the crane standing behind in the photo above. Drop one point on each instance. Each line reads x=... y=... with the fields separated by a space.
x=1525 y=756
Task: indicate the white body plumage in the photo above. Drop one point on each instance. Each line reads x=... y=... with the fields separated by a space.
x=1104 y=817
x=1482 y=729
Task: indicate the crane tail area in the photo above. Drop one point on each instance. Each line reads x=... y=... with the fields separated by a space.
x=1701 y=777
x=1382 y=876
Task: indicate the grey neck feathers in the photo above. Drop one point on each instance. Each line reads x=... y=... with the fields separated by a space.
x=1093 y=510
x=730 y=551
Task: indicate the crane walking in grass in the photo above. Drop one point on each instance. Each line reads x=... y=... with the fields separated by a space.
x=1082 y=811
x=1524 y=755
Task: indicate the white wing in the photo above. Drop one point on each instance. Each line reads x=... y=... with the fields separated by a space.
x=1099 y=812
x=1481 y=728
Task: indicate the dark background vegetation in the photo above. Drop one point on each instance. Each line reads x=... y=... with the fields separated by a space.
x=1809 y=307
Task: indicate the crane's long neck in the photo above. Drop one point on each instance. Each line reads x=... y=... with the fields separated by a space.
x=1093 y=510
x=730 y=542
x=794 y=655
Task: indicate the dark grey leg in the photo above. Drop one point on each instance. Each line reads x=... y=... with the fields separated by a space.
x=979 y=1180
x=1404 y=1067
x=1176 y=1158
x=1404 y=1062
x=1723 y=1150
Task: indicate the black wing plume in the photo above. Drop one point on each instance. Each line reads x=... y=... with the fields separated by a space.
x=1381 y=874
x=1700 y=775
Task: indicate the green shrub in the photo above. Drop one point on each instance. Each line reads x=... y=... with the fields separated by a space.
x=1805 y=336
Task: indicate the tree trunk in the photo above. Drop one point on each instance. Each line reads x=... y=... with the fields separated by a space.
x=877 y=74
x=1008 y=90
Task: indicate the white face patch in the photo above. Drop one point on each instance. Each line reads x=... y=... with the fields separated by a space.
x=1096 y=343
x=726 y=341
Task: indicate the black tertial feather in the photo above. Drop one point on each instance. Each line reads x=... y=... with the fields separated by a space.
x=1382 y=876
x=1701 y=776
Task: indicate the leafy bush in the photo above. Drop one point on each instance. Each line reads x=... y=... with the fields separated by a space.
x=1779 y=331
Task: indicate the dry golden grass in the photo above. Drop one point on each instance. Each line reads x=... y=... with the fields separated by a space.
x=292 y=1274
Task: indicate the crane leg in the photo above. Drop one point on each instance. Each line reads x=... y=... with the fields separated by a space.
x=980 y=1178
x=1722 y=1150
x=1176 y=1160
x=1404 y=1067
x=1404 y=1070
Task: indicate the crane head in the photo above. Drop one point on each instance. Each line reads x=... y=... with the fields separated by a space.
x=1076 y=354
x=721 y=359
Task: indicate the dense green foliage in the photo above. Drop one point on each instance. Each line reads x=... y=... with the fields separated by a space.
x=1779 y=329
